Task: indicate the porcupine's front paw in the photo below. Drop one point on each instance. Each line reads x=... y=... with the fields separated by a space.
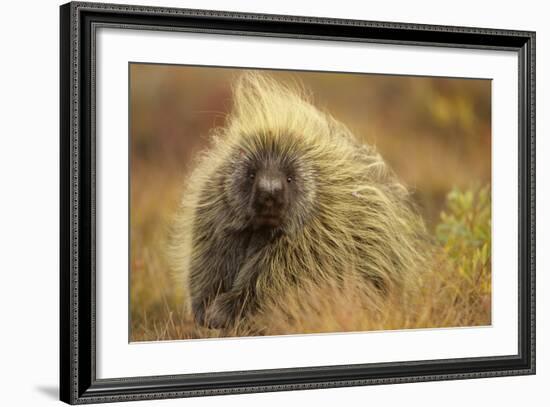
x=223 y=312
x=199 y=314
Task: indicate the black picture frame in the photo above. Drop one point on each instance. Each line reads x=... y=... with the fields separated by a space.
x=78 y=382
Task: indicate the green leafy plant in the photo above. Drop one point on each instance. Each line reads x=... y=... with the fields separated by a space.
x=465 y=235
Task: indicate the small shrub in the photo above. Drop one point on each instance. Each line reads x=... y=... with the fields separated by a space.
x=465 y=235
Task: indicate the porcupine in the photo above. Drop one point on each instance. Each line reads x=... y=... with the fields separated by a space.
x=287 y=194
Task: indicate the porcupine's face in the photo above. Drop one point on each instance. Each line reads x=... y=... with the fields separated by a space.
x=271 y=188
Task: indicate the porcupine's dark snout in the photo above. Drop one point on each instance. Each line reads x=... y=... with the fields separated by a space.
x=270 y=198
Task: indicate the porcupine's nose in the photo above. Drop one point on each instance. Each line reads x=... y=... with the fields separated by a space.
x=270 y=192
x=269 y=199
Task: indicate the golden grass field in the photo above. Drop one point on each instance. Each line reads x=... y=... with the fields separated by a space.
x=434 y=132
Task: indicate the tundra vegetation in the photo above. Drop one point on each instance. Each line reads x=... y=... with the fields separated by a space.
x=434 y=133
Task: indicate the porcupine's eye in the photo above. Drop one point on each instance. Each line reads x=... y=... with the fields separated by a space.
x=289 y=179
x=251 y=175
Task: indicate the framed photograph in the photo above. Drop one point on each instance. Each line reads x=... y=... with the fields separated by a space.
x=255 y=203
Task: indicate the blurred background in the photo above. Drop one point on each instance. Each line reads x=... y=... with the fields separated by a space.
x=434 y=132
